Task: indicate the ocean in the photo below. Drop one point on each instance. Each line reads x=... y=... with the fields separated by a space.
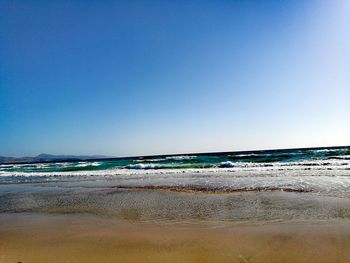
x=324 y=171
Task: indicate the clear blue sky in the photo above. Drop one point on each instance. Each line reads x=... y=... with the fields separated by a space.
x=150 y=77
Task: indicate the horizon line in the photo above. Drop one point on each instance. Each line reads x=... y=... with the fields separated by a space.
x=176 y=154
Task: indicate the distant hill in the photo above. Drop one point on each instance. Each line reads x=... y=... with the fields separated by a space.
x=43 y=157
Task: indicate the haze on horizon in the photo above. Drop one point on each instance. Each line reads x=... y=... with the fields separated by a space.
x=126 y=78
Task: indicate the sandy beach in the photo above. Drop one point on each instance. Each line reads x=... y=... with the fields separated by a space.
x=85 y=238
x=41 y=223
x=175 y=131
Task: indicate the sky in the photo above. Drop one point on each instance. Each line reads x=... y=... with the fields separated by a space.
x=124 y=78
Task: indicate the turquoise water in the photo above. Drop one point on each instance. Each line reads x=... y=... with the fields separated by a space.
x=323 y=171
x=302 y=157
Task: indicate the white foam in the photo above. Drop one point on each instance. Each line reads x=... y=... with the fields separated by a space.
x=245 y=155
x=181 y=157
x=144 y=166
x=86 y=164
x=151 y=160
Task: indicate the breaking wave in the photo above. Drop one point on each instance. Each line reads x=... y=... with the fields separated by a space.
x=307 y=169
x=144 y=166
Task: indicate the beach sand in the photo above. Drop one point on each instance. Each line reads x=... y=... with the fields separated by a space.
x=40 y=238
x=64 y=224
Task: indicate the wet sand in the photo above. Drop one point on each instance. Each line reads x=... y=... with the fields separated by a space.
x=88 y=238
x=94 y=223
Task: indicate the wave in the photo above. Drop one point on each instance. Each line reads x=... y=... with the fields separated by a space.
x=331 y=164
x=330 y=150
x=181 y=157
x=344 y=157
x=332 y=168
x=227 y=164
x=86 y=164
x=145 y=166
x=244 y=155
x=167 y=158
x=317 y=159
x=150 y=160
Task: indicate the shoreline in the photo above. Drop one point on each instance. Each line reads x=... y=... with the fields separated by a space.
x=208 y=190
x=163 y=205
x=67 y=222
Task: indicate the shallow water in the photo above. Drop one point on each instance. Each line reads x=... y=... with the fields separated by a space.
x=164 y=207
x=321 y=171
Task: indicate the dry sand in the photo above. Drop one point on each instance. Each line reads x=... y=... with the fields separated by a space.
x=36 y=238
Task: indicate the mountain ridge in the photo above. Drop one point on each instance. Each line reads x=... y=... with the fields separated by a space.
x=44 y=157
